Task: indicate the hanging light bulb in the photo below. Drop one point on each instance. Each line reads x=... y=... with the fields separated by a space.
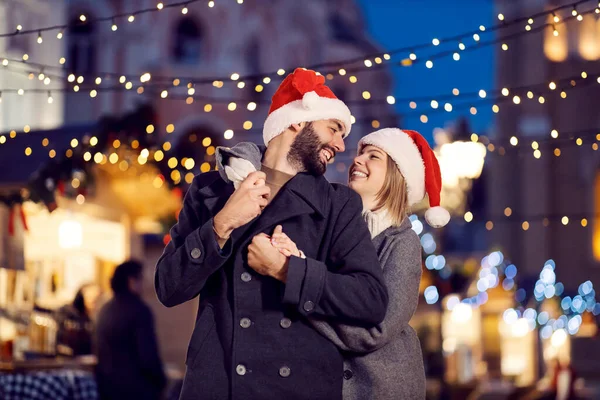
x=184 y=10
x=39 y=38
x=59 y=35
x=114 y=26
x=50 y=99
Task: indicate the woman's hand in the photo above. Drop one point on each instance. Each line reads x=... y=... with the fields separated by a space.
x=284 y=244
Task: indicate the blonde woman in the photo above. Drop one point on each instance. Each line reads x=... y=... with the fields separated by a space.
x=393 y=171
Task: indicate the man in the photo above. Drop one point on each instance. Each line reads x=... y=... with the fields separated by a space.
x=251 y=339
x=129 y=366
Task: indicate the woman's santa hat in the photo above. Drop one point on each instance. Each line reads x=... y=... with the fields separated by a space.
x=303 y=97
x=417 y=163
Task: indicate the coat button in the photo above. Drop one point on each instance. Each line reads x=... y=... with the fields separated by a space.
x=309 y=306
x=196 y=253
x=285 y=323
x=284 y=372
x=348 y=374
x=245 y=322
x=240 y=370
x=246 y=277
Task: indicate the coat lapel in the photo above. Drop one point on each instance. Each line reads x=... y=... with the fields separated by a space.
x=216 y=195
x=300 y=196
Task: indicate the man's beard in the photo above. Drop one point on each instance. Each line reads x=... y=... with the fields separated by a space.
x=304 y=154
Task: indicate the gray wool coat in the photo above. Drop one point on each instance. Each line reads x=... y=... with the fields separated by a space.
x=384 y=362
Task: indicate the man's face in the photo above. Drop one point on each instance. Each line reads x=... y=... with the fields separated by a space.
x=315 y=145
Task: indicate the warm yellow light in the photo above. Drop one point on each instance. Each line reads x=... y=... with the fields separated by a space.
x=266 y=80
x=164 y=94
x=231 y=106
x=131 y=18
x=501 y=17
x=412 y=105
x=489 y=225
x=542 y=100
x=189 y=163
x=251 y=106
x=113 y=158
x=557 y=152
x=535 y=145
x=93 y=141
x=504 y=46
x=98 y=158
x=525 y=225
x=248 y=125
x=508 y=211
x=52 y=153
x=584 y=222
x=424 y=118
x=241 y=85
x=207 y=108
x=429 y=64
x=435 y=42
x=159 y=155
x=259 y=88
x=579 y=141
x=552 y=85
x=280 y=71
x=530 y=94
x=28 y=151
x=565 y=220
x=514 y=140
x=455 y=91
x=468 y=216
x=205 y=167
x=563 y=94
x=473 y=110
x=366 y=95
x=391 y=100
x=228 y=134
x=82 y=18
x=206 y=141
x=160 y=6
x=172 y=163
x=505 y=92
x=474 y=137
x=170 y=128
x=235 y=76
x=166 y=146
x=135 y=144
x=353 y=79
x=210 y=150
x=537 y=154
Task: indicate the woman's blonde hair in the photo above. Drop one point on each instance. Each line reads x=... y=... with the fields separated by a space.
x=393 y=196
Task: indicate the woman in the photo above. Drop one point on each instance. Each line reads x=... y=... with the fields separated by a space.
x=393 y=170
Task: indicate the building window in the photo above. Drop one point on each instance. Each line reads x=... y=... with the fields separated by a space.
x=589 y=38
x=81 y=47
x=340 y=30
x=187 y=48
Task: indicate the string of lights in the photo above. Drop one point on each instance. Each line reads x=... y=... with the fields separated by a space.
x=83 y=19
x=379 y=59
x=526 y=221
x=530 y=91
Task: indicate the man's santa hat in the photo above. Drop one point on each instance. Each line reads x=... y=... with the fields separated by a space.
x=303 y=97
x=417 y=163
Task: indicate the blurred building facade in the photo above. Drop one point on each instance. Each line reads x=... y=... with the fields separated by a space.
x=544 y=190
x=246 y=39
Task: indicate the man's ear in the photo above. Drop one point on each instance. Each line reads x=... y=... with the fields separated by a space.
x=297 y=127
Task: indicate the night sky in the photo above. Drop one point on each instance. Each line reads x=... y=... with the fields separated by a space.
x=398 y=23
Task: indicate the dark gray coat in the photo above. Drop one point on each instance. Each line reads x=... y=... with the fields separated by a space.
x=385 y=362
x=252 y=339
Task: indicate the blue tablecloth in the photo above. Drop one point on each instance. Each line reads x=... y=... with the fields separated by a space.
x=50 y=385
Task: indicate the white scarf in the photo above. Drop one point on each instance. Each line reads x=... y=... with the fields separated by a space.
x=377 y=221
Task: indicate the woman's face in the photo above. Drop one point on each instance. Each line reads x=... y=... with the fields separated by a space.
x=367 y=173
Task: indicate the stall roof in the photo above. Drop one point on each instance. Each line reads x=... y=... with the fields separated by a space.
x=16 y=167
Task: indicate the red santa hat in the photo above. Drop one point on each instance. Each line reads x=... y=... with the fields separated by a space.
x=417 y=163
x=303 y=97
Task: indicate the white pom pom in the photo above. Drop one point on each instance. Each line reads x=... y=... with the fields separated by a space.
x=437 y=216
x=310 y=100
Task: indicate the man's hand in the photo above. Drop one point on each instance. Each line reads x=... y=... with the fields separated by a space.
x=245 y=204
x=266 y=259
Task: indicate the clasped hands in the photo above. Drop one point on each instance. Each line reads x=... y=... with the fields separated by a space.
x=269 y=255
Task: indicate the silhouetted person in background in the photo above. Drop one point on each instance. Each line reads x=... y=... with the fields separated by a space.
x=129 y=365
x=75 y=326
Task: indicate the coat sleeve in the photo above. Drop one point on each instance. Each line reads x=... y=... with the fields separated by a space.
x=147 y=349
x=402 y=274
x=192 y=254
x=352 y=289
